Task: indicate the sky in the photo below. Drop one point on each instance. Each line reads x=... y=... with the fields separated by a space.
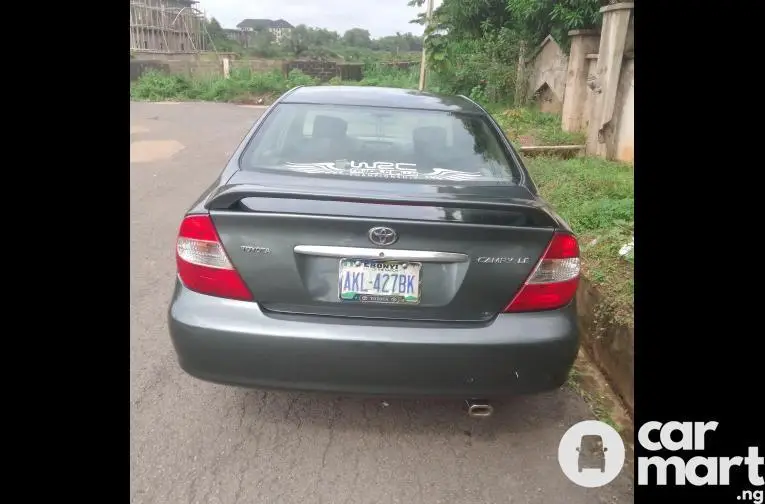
x=380 y=17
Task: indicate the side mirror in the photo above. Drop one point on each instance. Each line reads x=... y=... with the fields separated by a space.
x=605 y=449
x=577 y=448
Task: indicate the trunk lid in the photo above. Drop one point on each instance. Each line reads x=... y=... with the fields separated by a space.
x=461 y=253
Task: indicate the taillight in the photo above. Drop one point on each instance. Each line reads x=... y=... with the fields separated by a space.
x=553 y=282
x=203 y=265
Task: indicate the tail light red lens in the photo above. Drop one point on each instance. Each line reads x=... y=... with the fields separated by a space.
x=203 y=265
x=554 y=280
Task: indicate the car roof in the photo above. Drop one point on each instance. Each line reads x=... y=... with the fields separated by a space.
x=366 y=96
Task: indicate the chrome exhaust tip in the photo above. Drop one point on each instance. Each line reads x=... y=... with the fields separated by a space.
x=479 y=408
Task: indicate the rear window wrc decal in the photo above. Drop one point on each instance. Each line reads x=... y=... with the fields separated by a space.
x=381 y=169
x=323 y=168
x=444 y=174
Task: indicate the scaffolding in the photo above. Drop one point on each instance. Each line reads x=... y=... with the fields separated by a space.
x=167 y=26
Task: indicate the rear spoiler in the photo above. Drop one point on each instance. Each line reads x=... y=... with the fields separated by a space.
x=228 y=198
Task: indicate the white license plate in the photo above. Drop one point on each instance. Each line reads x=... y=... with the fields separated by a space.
x=371 y=281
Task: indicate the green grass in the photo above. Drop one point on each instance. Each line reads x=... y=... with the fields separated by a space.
x=596 y=197
x=539 y=128
x=390 y=77
x=598 y=403
x=244 y=85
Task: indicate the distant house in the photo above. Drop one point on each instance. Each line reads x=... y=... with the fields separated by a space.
x=279 y=28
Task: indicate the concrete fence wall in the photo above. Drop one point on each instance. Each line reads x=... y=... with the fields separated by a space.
x=325 y=70
x=180 y=56
x=138 y=68
x=256 y=65
x=592 y=86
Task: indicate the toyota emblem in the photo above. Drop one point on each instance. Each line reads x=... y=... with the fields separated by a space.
x=382 y=236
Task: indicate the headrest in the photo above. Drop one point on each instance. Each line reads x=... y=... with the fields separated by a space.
x=329 y=127
x=430 y=137
x=462 y=138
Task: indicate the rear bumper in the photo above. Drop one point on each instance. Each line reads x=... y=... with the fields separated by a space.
x=236 y=343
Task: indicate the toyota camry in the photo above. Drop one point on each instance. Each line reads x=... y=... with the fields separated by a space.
x=376 y=241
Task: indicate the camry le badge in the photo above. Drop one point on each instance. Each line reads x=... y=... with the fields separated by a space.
x=251 y=249
x=503 y=260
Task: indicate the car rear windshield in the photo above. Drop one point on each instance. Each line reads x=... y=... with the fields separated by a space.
x=382 y=143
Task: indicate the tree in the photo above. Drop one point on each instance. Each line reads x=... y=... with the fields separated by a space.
x=398 y=43
x=357 y=37
x=262 y=44
x=473 y=45
x=297 y=42
x=218 y=37
x=214 y=29
x=304 y=41
x=323 y=37
x=539 y=18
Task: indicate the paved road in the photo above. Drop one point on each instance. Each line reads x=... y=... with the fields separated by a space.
x=193 y=442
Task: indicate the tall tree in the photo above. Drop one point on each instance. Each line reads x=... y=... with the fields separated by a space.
x=297 y=42
x=357 y=37
x=215 y=29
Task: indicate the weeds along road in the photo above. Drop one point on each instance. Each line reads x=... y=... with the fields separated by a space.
x=193 y=442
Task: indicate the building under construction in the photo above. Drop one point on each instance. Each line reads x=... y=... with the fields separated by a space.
x=166 y=26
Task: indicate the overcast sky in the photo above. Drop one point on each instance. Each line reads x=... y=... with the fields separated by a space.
x=380 y=17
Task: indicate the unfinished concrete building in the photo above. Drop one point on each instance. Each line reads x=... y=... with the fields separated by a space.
x=166 y=26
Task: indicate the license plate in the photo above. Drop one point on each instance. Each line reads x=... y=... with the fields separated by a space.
x=370 y=281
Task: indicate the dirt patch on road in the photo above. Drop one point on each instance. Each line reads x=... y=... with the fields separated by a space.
x=154 y=150
x=254 y=99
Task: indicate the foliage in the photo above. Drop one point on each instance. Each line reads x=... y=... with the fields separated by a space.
x=379 y=74
x=591 y=193
x=473 y=46
x=538 y=127
x=539 y=18
x=263 y=45
x=156 y=86
x=303 y=41
x=398 y=43
x=218 y=37
x=357 y=37
x=309 y=42
x=242 y=85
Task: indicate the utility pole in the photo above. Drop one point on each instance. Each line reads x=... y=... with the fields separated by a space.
x=520 y=76
x=422 y=63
